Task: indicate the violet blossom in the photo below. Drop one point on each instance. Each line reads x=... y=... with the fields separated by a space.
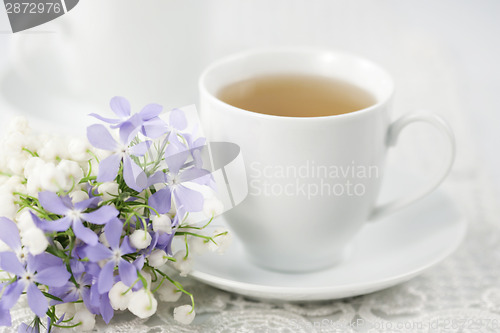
x=133 y=174
x=73 y=215
x=114 y=254
x=44 y=269
x=147 y=120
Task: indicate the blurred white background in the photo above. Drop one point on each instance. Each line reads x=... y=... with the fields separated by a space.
x=443 y=55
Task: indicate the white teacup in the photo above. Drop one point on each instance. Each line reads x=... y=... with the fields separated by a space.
x=313 y=181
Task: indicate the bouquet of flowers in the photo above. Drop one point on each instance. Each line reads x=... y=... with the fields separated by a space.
x=87 y=227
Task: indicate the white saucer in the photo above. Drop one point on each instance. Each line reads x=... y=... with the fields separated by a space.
x=385 y=253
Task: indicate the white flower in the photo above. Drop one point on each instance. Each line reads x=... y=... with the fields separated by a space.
x=223 y=240
x=213 y=207
x=86 y=319
x=184 y=314
x=162 y=223
x=24 y=221
x=71 y=170
x=3 y=179
x=15 y=184
x=169 y=293
x=51 y=179
x=14 y=142
x=143 y=304
x=182 y=264
x=198 y=245
x=52 y=149
x=78 y=149
x=16 y=162
x=109 y=190
x=157 y=258
x=8 y=208
x=33 y=186
x=78 y=196
x=33 y=164
x=119 y=296
x=140 y=239
x=19 y=124
x=34 y=239
x=147 y=276
x=66 y=309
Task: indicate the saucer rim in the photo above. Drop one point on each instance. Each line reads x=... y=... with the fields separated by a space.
x=268 y=292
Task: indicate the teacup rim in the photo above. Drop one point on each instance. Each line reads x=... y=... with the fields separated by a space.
x=294 y=49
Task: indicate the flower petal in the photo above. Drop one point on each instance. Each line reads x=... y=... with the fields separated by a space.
x=139 y=263
x=128 y=272
x=120 y=106
x=157 y=178
x=113 y=231
x=161 y=201
x=89 y=203
x=57 y=225
x=11 y=294
x=194 y=175
x=5 y=319
x=140 y=149
x=53 y=203
x=37 y=302
x=134 y=176
x=151 y=111
x=191 y=200
x=106 y=120
x=106 y=309
x=99 y=137
x=175 y=159
x=154 y=128
x=129 y=129
x=10 y=263
x=42 y=261
x=85 y=234
x=106 y=278
x=101 y=216
x=108 y=168
x=125 y=248
x=178 y=119
x=55 y=276
x=97 y=252
x=9 y=233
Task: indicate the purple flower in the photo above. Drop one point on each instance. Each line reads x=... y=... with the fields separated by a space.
x=72 y=292
x=10 y=235
x=190 y=200
x=73 y=215
x=114 y=255
x=44 y=269
x=147 y=120
x=134 y=176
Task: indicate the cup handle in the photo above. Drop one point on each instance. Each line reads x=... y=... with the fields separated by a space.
x=392 y=137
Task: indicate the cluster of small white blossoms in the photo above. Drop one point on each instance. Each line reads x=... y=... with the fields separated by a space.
x=60 y=165
x=31 y=163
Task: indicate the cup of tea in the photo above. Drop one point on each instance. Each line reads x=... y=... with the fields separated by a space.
x=314 y=129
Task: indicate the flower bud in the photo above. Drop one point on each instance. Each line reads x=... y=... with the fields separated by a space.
x=119 y=296
x=162 y=223
x=143 y=304
x=140 y=239
x=157 y=258
x=184 y=314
